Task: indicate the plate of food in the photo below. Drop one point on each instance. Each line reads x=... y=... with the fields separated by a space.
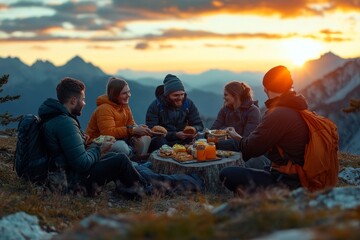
x=103 y=138
x=224 y=153
x=184 y=157
x=218 y=132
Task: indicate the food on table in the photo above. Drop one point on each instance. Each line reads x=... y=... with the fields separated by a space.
x=183 y=157
x=223 y=153
x=189 y=130
x=166 y=151
x=179 y=148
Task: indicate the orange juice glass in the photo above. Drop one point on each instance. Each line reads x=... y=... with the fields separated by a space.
x=210 y=151
x=201 y=152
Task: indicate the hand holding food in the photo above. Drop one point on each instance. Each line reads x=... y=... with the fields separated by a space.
x=189 y=130
x=232 y=133
x=158 y=130
x=104 y=138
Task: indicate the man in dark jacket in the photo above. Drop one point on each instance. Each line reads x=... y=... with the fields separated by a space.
x=83 y=168
x=174 y=111
x=282 y=127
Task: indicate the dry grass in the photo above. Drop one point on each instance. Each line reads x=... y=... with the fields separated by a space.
x=182 y=217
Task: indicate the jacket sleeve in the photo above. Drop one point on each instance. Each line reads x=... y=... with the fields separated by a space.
x=152 y=115
x=264 y=137
x=194 y=117
x=220 y=120
x=252 y=121
x=107 y=124
x=72 y=145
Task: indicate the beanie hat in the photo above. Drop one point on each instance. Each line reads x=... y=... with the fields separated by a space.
x=278 y=79
x=172 y=84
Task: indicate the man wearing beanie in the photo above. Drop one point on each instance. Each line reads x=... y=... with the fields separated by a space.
x=173 y=110
x=282 y=127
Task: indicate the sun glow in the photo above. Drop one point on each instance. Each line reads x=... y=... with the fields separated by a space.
x=301 y=50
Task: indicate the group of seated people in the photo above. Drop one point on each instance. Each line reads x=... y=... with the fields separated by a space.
x=90 y=165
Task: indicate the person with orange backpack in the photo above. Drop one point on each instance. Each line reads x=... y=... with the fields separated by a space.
x=301 y=145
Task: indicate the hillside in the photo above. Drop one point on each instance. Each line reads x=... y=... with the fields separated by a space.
x=180 y=217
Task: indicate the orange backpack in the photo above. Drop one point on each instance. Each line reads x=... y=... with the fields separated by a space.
x=321 y=163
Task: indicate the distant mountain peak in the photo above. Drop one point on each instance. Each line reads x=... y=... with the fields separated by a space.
x=76 y=59
x=329 y=55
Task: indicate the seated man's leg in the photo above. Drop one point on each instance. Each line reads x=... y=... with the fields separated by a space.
x=121 y=146
x=258 y=162
x=141 y=144
x=250 y=179
x=112 y=168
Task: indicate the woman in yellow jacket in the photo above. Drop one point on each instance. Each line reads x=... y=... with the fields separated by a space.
x=113 y=117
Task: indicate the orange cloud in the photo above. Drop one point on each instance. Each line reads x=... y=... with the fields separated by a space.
x=98 y=47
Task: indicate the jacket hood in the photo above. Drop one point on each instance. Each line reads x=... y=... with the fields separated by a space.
x=51 y=108
x=289 y=99
x=103 y=99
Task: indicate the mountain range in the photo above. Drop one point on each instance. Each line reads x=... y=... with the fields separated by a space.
x=333 y=82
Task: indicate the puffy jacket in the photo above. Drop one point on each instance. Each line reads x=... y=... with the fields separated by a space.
x=244 y=119
x=110 y=119
x=281 y=126
x=66 y=142
x=174 y=119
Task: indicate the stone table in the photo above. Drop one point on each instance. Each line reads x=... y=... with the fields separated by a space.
x=208 y=171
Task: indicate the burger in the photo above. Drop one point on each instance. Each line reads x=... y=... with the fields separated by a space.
x=159 y=130
x=189 y=130
x=166 y=151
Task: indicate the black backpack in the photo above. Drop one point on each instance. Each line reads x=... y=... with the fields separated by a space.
x=31 y=157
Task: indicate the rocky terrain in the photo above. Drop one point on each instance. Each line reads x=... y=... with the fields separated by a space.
x=29 y=212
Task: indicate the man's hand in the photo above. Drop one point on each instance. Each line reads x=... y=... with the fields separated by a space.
x=232 y=133
x=107 y=144
x=141 y=130
x=181 y=135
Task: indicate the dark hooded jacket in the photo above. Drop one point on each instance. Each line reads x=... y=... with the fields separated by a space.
x=66 y=142
x=244 y=119
x=283 y=126
x=161 y=112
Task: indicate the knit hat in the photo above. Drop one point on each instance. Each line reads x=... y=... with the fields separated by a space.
x=172 y=84
x=278 y=79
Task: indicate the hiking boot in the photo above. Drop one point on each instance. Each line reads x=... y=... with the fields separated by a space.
x=131 y=193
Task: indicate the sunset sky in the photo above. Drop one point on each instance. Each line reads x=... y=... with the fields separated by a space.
x=179 y=35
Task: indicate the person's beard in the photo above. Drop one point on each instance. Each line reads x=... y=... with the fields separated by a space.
x=77 y=110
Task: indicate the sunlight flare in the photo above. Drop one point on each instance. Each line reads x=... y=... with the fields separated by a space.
x=301 y=50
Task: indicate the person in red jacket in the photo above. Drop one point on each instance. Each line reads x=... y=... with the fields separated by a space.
x=282 y=127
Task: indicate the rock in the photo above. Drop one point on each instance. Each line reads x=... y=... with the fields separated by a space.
x=22 y=226
x=304 y=234
x=342 y=197
x=350 y=175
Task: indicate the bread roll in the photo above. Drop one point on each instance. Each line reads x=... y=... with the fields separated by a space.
x=159 y=129
x=189 y=130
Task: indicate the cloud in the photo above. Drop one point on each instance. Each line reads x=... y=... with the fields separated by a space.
x=224 y=46
x=181 y=8
x=39 y=47
x=99 y=47
x=142 y=46
x=107 y=22
x=185 y=34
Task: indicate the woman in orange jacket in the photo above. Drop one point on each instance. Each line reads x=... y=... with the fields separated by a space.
x=113 y=117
